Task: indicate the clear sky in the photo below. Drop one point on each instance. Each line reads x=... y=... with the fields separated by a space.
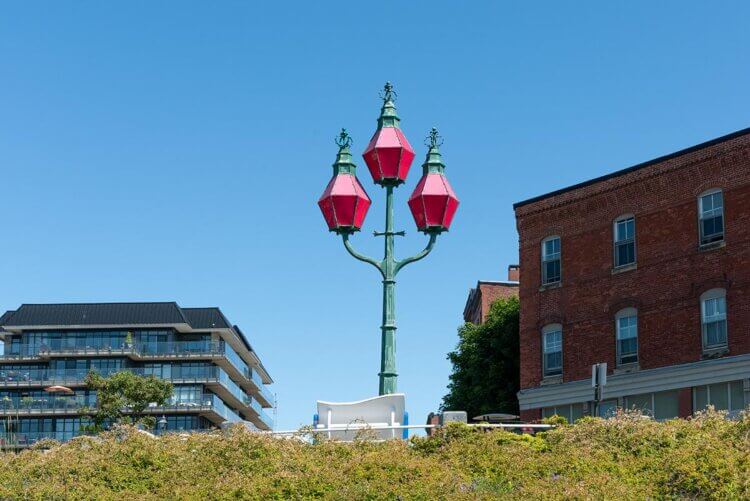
x=157 y=151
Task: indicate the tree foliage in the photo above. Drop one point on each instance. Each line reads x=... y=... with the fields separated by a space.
x=124 y=396
x=485 y=362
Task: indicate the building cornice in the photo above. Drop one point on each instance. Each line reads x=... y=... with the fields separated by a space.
x=643 y=381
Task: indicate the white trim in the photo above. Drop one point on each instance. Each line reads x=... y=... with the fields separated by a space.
x=700 y=217
x=674 y=377
x=551 y=329
x=626 y=313
x=615 y=242
x=545 y=261
x=717 y=293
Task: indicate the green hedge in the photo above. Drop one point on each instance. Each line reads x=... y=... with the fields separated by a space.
x=627 y=457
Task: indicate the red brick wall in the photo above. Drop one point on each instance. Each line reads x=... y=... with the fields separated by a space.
x=671 y=270
x=492 y=292
x=531 y=416
x=685 y=402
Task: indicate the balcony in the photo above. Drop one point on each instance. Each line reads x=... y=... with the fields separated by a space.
x=26 y=406
x=264 y=394
x=217 y=351
x=11 y=440
x=211 y=376
x=150 y=350
x=208 y=405
x=262 y=416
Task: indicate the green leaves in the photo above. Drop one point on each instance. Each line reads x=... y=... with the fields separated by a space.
x=485 y=374
x=626 y=457
x=123 y=397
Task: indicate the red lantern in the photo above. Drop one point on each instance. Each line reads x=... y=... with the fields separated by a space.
x=433 y=202
x=389 y=155
x=344 y=202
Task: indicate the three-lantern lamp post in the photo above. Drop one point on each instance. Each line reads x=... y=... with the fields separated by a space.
x=345 y=203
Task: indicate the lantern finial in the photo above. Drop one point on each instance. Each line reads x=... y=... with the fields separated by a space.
x=388 y=116
x=434 y=139
x=343 y=140
x=344 y=163
x=388 y=94
x=433 y=163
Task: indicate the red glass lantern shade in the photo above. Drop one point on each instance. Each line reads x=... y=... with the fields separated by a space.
x=344 y=204
x=389 y=156
x=433 y=203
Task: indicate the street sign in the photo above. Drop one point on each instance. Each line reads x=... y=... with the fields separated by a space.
x=599 y=374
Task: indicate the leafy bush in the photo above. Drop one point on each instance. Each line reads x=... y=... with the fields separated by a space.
x=626 y=457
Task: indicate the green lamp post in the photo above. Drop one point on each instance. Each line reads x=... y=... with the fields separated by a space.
x=345 y=203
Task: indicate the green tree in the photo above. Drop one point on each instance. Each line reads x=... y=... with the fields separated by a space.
x=486 y=365
x=123 y=397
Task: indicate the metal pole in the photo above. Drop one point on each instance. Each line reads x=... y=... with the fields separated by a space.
x=388 y=375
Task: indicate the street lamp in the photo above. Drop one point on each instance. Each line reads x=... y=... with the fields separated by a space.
x=344 y=204
x=162 y=424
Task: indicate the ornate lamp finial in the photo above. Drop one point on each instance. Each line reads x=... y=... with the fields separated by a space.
x=434 y=140
x=343 y=140
x=388 y=94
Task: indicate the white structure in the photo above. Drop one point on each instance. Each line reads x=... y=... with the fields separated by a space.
x=385 y=415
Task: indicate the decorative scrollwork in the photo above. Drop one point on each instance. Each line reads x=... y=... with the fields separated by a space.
x=434 y=140
x=388 y=94
x=343 y=140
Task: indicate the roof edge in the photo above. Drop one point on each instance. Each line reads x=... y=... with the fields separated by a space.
x=663 y=158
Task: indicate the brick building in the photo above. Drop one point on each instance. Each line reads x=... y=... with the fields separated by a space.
x=488 y=291
x=648 y=270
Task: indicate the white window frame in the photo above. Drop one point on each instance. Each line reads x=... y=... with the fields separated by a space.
x=626 y=313
x=625 y=241
x=550 y=329
x=728 y=385
x=652 y=397
x=705 y=297
x=553 y=257
x=701 y=239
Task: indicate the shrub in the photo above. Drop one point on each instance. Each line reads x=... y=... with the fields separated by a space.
x=626 y=457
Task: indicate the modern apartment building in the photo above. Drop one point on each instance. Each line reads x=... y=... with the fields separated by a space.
x=217 y=375
x=646 y=269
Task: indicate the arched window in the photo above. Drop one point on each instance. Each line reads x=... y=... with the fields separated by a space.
x=714 y=319
x=624 y=240
x=551 y=260
x=711 y=216
x=626 y=327
x=552 y=350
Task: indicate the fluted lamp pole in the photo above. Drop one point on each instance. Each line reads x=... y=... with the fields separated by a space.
x=345 y=203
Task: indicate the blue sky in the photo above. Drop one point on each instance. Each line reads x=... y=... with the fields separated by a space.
x=176 y=151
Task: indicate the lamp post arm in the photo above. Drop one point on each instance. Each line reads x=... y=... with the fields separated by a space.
x=417 y=257
x=361 y=257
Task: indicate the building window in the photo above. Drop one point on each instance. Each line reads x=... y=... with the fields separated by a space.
x=711 y=214
x=624 y=232
x=714 y=319
x=552 y=348
x=608 y=408
x=572 y=412
x=550 y=260
x=626 y=325
x=660 y=406
x=723 y=396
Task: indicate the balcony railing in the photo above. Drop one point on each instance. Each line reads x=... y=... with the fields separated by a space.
x=265 y=393
x=255 y=405
x=44 y=377
x=51 y=404
x=11 y=440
